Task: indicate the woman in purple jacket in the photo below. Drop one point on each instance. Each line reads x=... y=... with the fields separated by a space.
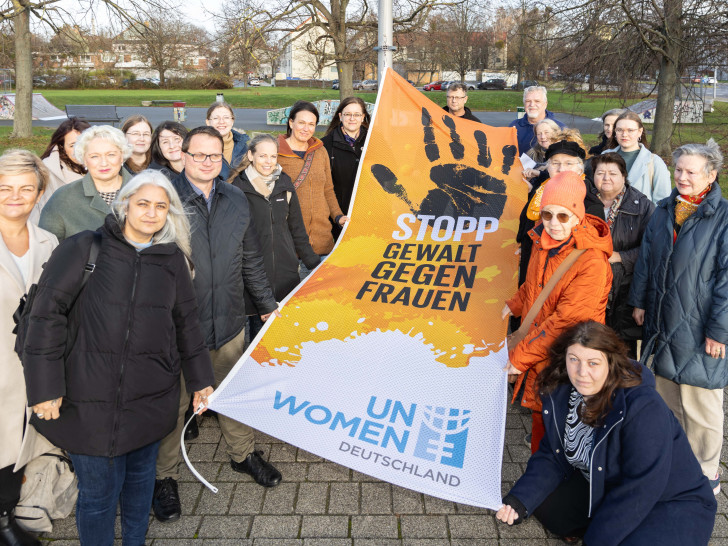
x=614 y=466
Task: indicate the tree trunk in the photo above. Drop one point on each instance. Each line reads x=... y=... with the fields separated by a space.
x=23 y=119
x=346 y=73
x=162 y=80
x=667 y=82
x=669 y=78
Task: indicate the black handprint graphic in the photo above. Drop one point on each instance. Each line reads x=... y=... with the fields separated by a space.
x=461 y=190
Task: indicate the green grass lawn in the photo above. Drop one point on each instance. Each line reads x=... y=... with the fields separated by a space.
x=584 y=104
x=36 y=144
x=252 y=97
x=280 y=97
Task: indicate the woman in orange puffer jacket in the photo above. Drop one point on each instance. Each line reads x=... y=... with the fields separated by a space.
x=580 y=295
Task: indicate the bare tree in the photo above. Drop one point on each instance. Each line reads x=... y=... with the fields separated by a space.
x=460 y=36
x=243 y=37
x=674 y=32
x=347 y=25
x=53 y=13
x=165 y=42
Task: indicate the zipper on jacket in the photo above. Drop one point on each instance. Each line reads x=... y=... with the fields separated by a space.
x=272 y=246
x=556 y=425
x=125 y=352
x=591 y=462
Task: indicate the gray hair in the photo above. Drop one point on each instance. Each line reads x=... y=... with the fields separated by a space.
x=710 y=151
x=177 y=227
x=613 y=112
x=535 y=89
x=458 y=87
x=104 y=132
x=551 y=123
x=16 y=161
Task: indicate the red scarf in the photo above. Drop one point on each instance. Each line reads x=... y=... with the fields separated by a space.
x=685 y=207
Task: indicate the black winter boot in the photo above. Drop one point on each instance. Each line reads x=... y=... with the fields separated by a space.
x=11 y=534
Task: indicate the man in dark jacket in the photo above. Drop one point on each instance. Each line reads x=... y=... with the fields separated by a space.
x=535 y=102
x=228 y=261
x=457 y=96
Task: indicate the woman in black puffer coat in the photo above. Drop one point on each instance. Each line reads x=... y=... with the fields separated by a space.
x=627 y=212
x=344 y=140
x=115 y=395
x=276 y=215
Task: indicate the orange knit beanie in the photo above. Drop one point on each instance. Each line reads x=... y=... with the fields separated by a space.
x=566 y=189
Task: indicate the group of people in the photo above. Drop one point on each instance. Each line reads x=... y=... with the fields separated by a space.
x=162 y=246
x=617 y=264
x=153 y=251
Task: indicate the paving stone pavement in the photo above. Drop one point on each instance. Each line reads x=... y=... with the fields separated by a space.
x=320 y=503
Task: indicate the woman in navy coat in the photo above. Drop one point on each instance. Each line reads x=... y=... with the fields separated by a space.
x=614 y=466
x=680 y=292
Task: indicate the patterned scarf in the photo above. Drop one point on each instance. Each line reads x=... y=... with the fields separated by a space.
x=686 y=205
x=611 y=214
x=578 y=436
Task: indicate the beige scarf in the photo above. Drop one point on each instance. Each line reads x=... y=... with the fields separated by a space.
x=227 y=146
x=263 y=184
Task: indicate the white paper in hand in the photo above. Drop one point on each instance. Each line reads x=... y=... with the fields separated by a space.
x=527 y=162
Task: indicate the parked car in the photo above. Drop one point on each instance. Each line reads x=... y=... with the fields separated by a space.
x=434 y=86
x=356 y=85
x=520 y=86
x=369 y=85
x=39 y=82
x=335 y=84
x=493 y=83
x=255 y=82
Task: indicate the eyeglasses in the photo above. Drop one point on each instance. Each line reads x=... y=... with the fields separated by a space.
x=352 y=115
x=567 y=165
x=626 y=131
x=226 y=119
x=201 y=158
x=561 y=217
x=450 y=97
x=137 y=134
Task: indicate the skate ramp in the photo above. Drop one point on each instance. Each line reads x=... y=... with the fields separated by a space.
x=42 y=108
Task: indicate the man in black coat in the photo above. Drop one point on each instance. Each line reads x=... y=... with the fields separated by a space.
x=457 y=96
x=227 y=259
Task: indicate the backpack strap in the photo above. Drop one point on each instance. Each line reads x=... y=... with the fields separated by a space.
x=564 y=266
x=305 y=170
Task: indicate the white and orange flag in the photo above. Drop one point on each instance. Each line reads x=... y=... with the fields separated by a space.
x=389 y=358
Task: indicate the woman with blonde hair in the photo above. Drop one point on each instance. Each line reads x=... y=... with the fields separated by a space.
x=84 y=204
x=24 y=248
x=119 y=374
x=276 y=214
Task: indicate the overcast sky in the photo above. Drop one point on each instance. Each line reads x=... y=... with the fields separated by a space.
x=193 y=9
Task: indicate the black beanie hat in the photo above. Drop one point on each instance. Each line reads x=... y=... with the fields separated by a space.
x=567 y=148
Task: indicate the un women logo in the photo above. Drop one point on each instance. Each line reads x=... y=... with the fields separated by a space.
x=443 y=435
